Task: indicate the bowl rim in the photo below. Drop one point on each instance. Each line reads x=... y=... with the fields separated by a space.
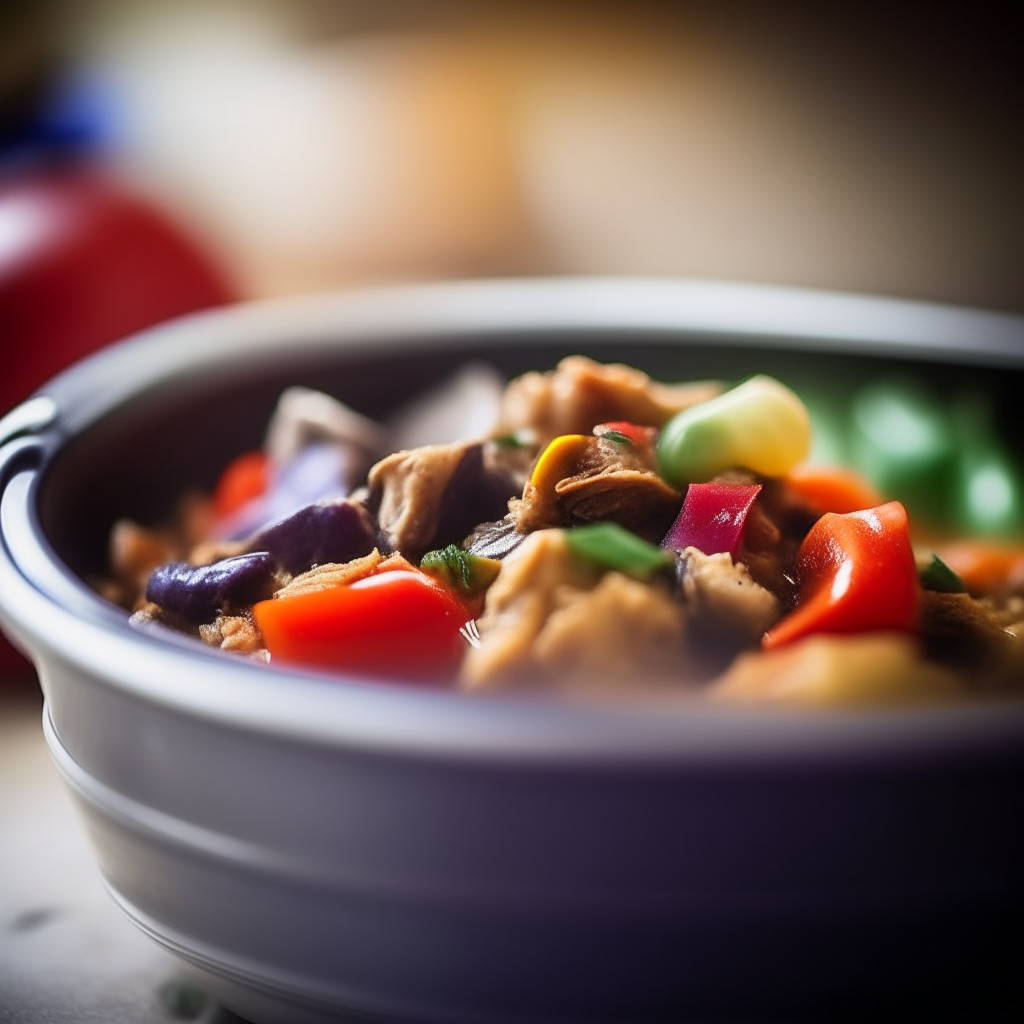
x=57 y=617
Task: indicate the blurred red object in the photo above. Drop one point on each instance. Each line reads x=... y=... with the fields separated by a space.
x=83 y=262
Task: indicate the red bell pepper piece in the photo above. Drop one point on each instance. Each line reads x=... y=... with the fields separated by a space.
x=712 y=518
x=244 y=478
x=397 y=623
x=640 y=436
x=856 y=573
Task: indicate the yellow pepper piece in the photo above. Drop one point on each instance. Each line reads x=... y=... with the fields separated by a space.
x=759 y=425
x=556 y=460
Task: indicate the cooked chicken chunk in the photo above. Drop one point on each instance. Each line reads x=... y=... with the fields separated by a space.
x=622 y=631
x=722 y=597
x=863 y=669
x=518 y=604
x=232 y=633
x=580 y=393
x=435 y=495
x=549 y=614
x=597 y=479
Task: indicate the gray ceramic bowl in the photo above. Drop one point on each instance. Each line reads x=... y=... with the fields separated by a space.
x=322 y=847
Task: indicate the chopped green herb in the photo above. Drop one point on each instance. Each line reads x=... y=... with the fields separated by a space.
x=616 y=437
x=614 y=546
x=458 y=569
x=938 y=576
x=517 y=440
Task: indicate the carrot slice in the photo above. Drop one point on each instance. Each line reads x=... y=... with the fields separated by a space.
x=833 y=489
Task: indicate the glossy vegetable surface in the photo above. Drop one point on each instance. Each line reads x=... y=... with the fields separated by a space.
x=394 y=623
x=327 y=531
x=555 y=459
x=245 y=477
x=712 y=518
x=196 y=593
x=938 y=576
x=467 y=574
x=614 y=547
x=760 y=425
x=832 y=489
x=856 y=573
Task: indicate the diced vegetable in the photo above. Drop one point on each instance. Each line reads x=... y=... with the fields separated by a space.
x=517 y=439
x=902 y=441
x=983 y=565
x=556 y=460
x=938 y=576
x=196 y=593
x=712 y=518
x=398 y=623
x=326 y=531
x=244 y=478
x=467 y=574
x=759 y=425
x=476 y=493
x=615 y=547
x=857 y=573
x=495 y=540
x=621 y=430
x=832 y=489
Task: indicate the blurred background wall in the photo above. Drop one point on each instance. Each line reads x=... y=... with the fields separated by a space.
x=310 y=144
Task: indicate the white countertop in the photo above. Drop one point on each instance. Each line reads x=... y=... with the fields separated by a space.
x=67 y=956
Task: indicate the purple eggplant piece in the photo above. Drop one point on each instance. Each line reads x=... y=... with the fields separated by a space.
x=326 y=531
x=474 y=495
x=321 y=470
x=494 y=540
x=196 y=593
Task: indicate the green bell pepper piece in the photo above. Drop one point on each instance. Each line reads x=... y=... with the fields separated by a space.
x=467 y=574
x=938 y=576
x=613 y=546
x=901 y=439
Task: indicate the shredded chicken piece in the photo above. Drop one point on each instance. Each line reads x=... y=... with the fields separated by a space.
x=622 y=630
x=551 y=615
x=603 y=481
x=640 y=501
x=411 y=486
x=724 y=598
x=237 y=633
x=342 y=574
x=580 y=393
x=871 y=668
x=330 y=575
x=517 y=606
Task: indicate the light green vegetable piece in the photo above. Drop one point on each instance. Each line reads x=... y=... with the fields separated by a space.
x=468 y=574
x=902 y=440
x=614 y=547
x=760 y=425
